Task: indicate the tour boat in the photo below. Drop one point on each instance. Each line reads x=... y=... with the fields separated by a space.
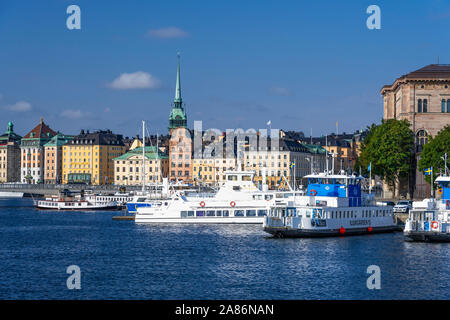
x=81 y=203
x=237 y=201
x=429 y=219
x=333 y=206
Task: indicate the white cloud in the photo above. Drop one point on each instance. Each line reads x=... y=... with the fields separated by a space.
x=74 y=114
x=21 y=106
x=280 y=91
x=167 y=33
x=136 y=80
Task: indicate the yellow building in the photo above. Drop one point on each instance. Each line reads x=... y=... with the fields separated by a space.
x=211 y=171
x=128 y=167
x=88 y=158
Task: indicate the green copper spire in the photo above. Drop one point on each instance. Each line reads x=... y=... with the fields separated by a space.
x=10 y=127
x=178 y=101
x=177 y=116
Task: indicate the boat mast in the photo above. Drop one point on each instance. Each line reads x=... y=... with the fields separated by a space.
x=143 y=155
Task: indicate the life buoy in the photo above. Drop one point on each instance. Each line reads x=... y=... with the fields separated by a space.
x=342 y=230
x=202 y=204
x=232 y=203
x=434 y=225
x=312 y=192
x=369 y=229
x=440 y=190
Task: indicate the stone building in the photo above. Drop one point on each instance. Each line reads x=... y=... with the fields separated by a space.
x=180 y=143
x=32 y=153
x=423 y=98
x=10 y=155
x=128 y=167
x=53 y=151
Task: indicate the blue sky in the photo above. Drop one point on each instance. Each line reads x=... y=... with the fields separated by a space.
x=300 y=64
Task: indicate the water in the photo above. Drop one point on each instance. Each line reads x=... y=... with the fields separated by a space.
x=122 y=260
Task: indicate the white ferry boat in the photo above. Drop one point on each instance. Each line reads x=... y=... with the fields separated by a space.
x=78 y=202
x=429 y=220
x=333 y=206
x=237 y=201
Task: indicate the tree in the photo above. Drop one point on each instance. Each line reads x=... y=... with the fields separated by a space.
x=433 y=152
x=389 y=147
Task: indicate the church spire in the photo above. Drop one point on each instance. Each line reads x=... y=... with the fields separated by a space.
x=178 y=101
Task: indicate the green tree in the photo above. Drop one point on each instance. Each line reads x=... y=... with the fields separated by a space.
x=433 y=152
x=389 y=147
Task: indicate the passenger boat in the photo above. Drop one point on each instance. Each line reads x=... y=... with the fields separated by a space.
x=333 y=206
x=429 y=220
x=78 y=202
x=237 y=201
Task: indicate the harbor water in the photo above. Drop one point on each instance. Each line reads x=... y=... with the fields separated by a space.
x=124 y=260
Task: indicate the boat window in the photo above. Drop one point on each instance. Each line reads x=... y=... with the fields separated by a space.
x=140 y=200
x=246 y=178
x=291 y=212
x=251 y=213
x=183 y=214
x=232 y=178
x=268 y=197
x=279 y=195
x=238 y=213
x=190 y=213
x=200 y=213
x=262 y=213
x=210 y=213
x=219 y=213
x=226 y=213
x=308 y=213
x=287 y=195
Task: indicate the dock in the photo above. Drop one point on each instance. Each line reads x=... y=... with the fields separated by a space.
x=124 y=217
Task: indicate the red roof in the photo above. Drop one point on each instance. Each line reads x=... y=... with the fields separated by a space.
x=41 y=131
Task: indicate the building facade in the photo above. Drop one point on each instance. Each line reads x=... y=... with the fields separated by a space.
x=128 y=167
x=88 y=157
x=180 y=142
x=423 y=98
x=10 y=155
x=32 y=153
x=211 y=171
x=53 y=151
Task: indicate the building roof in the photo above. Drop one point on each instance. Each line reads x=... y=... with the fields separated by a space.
x=41 y=131
x=9 y=135
x=150 y=154
x=58 y=140
x=101 y=137
x=439 y=72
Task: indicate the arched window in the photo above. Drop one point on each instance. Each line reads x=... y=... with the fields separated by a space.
x=419 y=105
x=421 y=137
x=425 y=105
x=443 y=105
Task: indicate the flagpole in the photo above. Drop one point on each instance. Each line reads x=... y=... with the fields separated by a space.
x=370 y=178
x=432 y=182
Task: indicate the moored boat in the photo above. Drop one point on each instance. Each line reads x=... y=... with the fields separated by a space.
x=78 y=202
x=333 y=206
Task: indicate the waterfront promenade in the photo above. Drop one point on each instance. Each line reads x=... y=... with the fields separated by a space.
x=49 y=189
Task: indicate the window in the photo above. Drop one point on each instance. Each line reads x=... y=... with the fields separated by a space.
x=251 y=213
x=239 y=213
x=443 y=105
x=448 y=105
x=200 y=213
x=210 y=213
x=262 y=213
x=226 y=213
x=421 y=137
x=419 y=105
x=219 y=213
x=425 y=103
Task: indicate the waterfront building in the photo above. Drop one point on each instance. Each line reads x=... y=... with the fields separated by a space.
x=10 y=155
x=211 y=170
x=88 y=157
x=423 y=98
x=276 y=162
x=128 y=167
x=32 y=153
x=54 y=158
x=180 y=143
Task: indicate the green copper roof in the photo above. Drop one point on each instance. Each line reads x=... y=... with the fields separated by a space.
x=150 y=154
x=313 y=148
x=177 y=116
x=58 y=140
x=10 y=135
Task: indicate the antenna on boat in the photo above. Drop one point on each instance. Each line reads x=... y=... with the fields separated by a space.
x=326 y=152
x=143 y=155
x=445 y=164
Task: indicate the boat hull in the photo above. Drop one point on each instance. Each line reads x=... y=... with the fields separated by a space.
x=427 y=236
x=79 y=208
x=203 y=220
x=281 y=232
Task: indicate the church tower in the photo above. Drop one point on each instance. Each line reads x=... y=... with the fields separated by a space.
x=177 y=118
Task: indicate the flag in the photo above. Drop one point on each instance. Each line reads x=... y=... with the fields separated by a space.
x=428 y=171
x=281 y=179
x=292 y=165
x=269 y=122
x=369 y=168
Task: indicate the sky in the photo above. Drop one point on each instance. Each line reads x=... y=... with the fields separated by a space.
x=303 y=65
